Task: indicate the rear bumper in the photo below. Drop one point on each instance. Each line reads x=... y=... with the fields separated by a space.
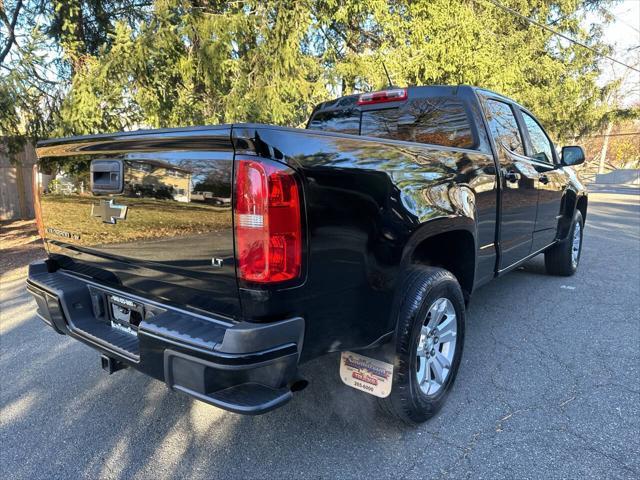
x=242 y=367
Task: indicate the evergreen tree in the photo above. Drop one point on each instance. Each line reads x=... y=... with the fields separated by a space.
x=107 y=65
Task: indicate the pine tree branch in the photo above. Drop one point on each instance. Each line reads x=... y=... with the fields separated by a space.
x=11 y=26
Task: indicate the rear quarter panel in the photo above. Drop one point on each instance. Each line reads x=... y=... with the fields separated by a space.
x=364 y=200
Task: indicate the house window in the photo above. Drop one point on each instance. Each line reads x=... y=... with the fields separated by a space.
x=174 y=173
x=142 y=167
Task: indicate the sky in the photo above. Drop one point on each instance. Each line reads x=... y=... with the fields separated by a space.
x=624 y=34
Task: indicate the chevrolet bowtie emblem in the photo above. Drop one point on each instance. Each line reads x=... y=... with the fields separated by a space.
x=108 y=211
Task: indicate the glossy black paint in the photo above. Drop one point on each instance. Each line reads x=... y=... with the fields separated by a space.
x=369 y=205
x=364 y=200
x=572 y=155
x=172 y=235
x=536 y=198
x=241 y=367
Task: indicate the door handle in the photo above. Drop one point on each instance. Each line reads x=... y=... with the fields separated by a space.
x=512 y=176
x=543 y=179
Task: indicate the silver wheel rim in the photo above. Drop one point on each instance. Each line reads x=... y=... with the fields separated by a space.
x=575 y=246
x=436 y=346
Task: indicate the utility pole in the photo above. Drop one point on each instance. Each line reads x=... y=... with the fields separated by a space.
x=605 y=146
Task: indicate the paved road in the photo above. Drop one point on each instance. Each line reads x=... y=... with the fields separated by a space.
x=614 y=188
x=548 y=388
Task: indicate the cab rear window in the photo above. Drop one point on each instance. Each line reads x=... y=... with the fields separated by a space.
x=339 y=121
x=433 y=120
x=436 y=120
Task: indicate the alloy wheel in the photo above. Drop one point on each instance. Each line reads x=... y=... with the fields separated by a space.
x=576 y=244
x=436 y=346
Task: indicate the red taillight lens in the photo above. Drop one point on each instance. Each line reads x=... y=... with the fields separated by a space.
x=268 y=224
x=394 y=95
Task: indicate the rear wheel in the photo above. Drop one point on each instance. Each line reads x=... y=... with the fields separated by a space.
x=429 y=340
x=563 y=258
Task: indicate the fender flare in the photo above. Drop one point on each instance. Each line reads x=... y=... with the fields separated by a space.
x=569 y=204
x=435 y=227
x=438 y=226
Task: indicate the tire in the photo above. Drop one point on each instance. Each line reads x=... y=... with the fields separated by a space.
x=424 y=289
x=560 y=259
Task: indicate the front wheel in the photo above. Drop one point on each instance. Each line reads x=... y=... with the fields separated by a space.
x=429 y=340
x=563 y=258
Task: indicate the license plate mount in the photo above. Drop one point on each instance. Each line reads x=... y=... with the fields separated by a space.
x=125 y=314
x=369 y=375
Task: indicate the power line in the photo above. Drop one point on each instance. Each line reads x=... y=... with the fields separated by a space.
x=624 y=22
x=555 y=32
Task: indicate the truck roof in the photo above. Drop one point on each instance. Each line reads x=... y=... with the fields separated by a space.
x=350 y=101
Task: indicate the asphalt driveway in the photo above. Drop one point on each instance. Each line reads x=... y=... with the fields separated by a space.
x=548 y=387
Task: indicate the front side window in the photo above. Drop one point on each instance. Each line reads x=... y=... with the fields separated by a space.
x=434 y=120
x=503 y=126
x=540 y=143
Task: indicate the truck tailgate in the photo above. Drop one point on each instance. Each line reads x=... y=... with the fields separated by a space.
x=168 y=235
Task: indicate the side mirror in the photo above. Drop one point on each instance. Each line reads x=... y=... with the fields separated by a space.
x=571 y=156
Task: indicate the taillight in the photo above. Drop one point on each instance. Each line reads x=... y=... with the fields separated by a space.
x=393 y=95
x=268 y=224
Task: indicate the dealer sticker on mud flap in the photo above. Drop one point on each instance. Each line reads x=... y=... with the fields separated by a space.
x=366 y=374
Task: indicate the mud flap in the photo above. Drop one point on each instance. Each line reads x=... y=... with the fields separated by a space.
x=367 y=374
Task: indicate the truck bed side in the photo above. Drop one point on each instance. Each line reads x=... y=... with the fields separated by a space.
x=370 y=205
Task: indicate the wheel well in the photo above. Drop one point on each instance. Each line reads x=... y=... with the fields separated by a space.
x=454 y=251
x=582 y=206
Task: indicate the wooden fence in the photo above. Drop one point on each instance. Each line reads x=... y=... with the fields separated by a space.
x=16 y=183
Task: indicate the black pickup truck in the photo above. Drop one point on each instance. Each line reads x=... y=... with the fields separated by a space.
x=217 y=259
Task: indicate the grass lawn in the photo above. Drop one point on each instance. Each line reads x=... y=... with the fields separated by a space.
x=146 y=219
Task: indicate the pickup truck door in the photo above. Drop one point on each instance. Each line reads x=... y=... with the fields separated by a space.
x=518 y=180
x=552 y=180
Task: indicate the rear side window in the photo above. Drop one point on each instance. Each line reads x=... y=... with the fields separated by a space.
x=542 y=147
x=340 y=121
x=503 y=126
x=435 y=120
